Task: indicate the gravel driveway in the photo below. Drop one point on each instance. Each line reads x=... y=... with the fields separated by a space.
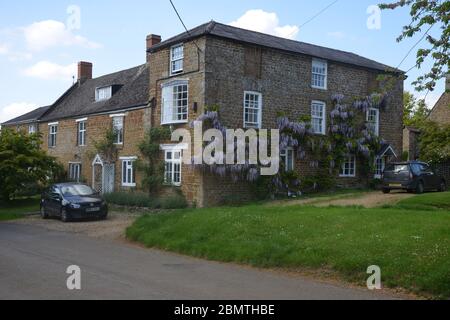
x=111 y=229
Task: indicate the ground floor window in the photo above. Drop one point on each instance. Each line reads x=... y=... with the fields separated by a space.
x=348 y=168
x=287 y=159
x=173 y=159
x=128 y=172
x=75 y=172
x=380 y=164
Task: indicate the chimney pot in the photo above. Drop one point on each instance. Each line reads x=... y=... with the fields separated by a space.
x=152 y=40
x=84 y=70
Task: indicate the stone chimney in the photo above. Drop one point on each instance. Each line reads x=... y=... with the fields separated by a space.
x=152 y=40
x=84 y=70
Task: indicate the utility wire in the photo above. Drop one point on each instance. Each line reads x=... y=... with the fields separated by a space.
x=414 y=46
x=315 y=16
x=184 y=25
x=319 y=13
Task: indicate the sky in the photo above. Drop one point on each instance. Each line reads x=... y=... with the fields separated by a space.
x=42 y=41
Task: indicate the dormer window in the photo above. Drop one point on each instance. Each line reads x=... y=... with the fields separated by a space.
x=176 y=59
x=103 y=93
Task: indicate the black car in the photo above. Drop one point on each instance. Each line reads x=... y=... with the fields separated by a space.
x=412 y=176
x=70 y=201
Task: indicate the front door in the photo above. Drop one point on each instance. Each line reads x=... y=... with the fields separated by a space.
x=108 y=178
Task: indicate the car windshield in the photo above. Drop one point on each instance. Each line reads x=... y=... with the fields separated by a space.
x=398 y=168
x=77 y=190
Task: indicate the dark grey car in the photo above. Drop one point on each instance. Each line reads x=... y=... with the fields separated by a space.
x=412 y=176
x=70 y=201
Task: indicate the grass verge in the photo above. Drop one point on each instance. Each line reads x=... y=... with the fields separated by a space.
x=411 y=246
x=17 y=208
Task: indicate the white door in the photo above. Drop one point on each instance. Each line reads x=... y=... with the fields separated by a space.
x=108 y=178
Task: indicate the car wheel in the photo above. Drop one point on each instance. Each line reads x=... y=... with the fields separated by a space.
x=420 y=188
x=386 y=191
x=443 y=187
x=65 y=217
x=44 y=214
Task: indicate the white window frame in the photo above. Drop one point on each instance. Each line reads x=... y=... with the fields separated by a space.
x=377 y=120
x=52 y=132
x=75 y=175
x=379 y=170
x=128 y=177
x=347 y=169
x=248 y=124
x=103 y=93
x=81 y=134
x=32 y=129
x=171 y=112
x=316 y=62
x=314 y=116
x=174 y=59
x=285 y=154
x=173 y=162
x=120 y=137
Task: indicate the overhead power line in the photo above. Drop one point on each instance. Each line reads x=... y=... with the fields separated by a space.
x=182 y=22
x=319 y=13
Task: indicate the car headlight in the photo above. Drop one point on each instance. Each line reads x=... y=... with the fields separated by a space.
x=75 y=206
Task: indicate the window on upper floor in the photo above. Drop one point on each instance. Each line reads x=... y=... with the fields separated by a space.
x=319 y=74
x=348 y=169
x=118 y=129
x=318 y=117
x=373 y=121
x=173 y=158
x=32 y=128
x=81 y=137
x=176 y=59
x=175 y=102
x=103 y=93
x=252 y=110
x=287 y=159
x=53 y=131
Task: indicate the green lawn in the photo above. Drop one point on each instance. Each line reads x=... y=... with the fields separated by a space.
x=411 y=246
x=17 y=208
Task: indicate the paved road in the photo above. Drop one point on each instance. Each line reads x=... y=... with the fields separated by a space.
x=33 y=262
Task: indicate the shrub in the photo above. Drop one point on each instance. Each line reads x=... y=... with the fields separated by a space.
x=133 y=199
x=174 y=202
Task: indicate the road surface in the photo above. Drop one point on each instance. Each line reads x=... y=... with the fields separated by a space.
x=33 y=264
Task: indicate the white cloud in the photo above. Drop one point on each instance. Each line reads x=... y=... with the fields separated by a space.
x=50 y=33
x=266 y=22
x=51 y=71
x=4 y=48
x=15 y=109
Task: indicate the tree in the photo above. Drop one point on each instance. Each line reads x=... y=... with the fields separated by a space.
x=152 y=167
x=434 y=143
x=426 y=14
x=415 y=112
x=22 y=162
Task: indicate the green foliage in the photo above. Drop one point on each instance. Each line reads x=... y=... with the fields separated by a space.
x=132 y=199
x=434 y=142
x=152 y=167
x=296 y=237
x=320 y=182
x=424 y=16
x=106 y=146
x=23 y=163
x=415 y=111
x=143 y=200
x=176 y=201
x=405 y=156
